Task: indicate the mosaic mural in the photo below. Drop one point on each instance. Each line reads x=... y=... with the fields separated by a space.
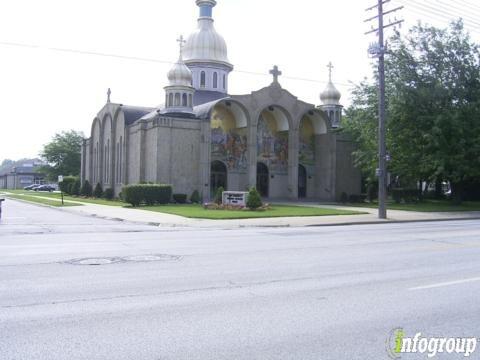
x=228 y=143
x=272 y=145
x=306 y=154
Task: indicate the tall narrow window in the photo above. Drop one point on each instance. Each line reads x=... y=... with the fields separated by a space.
x=170 y=99
x=177 y=99
x=215 y=80
x=202 y=79
x=121 y=160
x=224 y=81
x=184 y=100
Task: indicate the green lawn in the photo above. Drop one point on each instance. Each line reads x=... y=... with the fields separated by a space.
x=198 y=212
x=428 y=206
x=39 y=200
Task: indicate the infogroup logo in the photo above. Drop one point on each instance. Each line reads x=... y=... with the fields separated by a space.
x=398 y=344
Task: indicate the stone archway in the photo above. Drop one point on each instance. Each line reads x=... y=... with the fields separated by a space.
x=218 y=176
x=262 y=179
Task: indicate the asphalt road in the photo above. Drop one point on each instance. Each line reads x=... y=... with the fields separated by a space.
x=263 y=293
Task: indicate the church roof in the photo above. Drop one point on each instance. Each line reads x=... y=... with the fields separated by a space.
x=204 y=96
x=134 y=113
x=203 y=111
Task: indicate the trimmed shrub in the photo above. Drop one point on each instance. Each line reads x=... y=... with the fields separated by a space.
x=98 y=192
x=406 y=195
x=150 y=194
x=397 y=195
x=344 y=198
x=254 y=201
x=65 y=185
x=195 y=198
x=86 y=189
x=356 y=199
x=108 y=194
x=180 y=198
x=76 y=187
x=218 y=195
x=372 y=192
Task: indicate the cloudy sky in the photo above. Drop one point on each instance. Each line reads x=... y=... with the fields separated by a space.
x=58 y=57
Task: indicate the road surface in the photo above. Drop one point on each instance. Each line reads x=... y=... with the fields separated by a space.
x=74 y=287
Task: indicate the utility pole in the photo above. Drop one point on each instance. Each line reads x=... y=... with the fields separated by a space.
x=378 y=50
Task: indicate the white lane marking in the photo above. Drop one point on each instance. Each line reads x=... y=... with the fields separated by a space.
x=449 y=283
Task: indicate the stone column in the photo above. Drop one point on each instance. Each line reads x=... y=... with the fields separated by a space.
x=205 y=155
x=252 y=154
x=293 y=148
x=143 y=149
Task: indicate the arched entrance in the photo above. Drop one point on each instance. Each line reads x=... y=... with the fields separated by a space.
x=218 y=176
x=262 y=179
x=302 y=181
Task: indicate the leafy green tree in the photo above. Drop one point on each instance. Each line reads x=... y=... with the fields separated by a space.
x=63 y=155
x=433 y=106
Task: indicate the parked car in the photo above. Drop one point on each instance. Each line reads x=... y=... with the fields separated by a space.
x=31 y=187
x=45 y=188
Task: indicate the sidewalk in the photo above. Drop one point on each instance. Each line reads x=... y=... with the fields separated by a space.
x=167 y=220
x=161 y=219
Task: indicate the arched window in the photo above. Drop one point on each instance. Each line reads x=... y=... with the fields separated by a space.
x=166 y=100
x=105 y=165
x=224 y=81
x=184 y=99
x=177 y=99
x=121 y=160
x=215 y=80
x=170 y=100
x=202 y=79
x=190 y=100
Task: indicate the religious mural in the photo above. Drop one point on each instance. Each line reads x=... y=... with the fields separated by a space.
x=272 y=145
x=306 y=154
x=228 y=143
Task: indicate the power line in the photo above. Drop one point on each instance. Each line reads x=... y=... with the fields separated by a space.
x=136 y=58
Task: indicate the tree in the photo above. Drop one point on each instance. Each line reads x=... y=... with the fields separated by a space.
x=86 y=189
x=63 y=154
x=433 y=106
x=98 y=192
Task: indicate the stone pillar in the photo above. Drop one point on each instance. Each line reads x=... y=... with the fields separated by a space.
x=293 y=148
x=143 y=149
x=252 y=154
x=205 y=161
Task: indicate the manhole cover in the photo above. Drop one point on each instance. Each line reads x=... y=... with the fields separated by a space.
x=113 y=260
x=94 y=261
x=162 y=257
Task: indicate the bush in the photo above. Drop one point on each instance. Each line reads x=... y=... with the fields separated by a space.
x=76 y=187
x=372 y=192
x=397 y=195
x=108 y=194
x=195 y=198
x=86 y=189
x=218 y=195
x=180 y=198
x=356 y=199
x=149 y=194
x=254 y=201
x=98 y=192
x=65 y=185
x=344 y=198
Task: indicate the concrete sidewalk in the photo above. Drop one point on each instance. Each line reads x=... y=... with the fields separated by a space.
x=161 y=219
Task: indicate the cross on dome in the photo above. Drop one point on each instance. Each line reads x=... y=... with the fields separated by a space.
x=330 y=67
x=181 y=41
x=276 y=73
x=109 y=92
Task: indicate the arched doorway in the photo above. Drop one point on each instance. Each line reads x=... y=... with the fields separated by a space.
x=302 y=181
x=218 y=176
x=262 y=179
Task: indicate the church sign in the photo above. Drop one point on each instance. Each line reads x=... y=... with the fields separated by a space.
x=235 y=198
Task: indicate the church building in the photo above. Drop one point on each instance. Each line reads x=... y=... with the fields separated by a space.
x=203 y=137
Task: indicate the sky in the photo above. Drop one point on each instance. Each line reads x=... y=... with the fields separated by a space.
x=59 y=57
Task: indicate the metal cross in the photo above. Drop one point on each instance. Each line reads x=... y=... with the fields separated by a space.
x=109 y=92
x=330 y=67
x=276 y=73
x=182 y=42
